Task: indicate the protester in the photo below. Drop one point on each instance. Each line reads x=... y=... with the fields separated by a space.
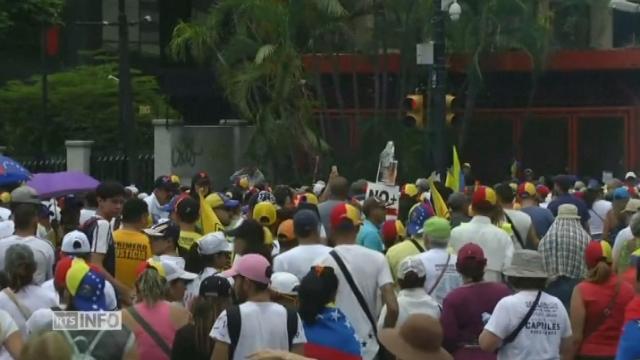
x=629 y=346
x=369 y=235
x=630 y=182
x=541 y=218
x=441 y=273
x=215 y=255
x=70 y=209
x=328 y=331
x=419 y=338
x=616 y=219
x=392 y=232
x=163 y=238
x=98 y=229
x=297 y=260
x=249 y=238
x=51 y=343
x=269 y=325
x=338 y=193
x=598 y=209
x=402 y=249
x=186 y=215
x=23 y=296
x=418 y=215
x=562 y=184
x=458 y=209
x=529 y=324
x=163 y=190
x=153 y=319
x=284 y=289
x=25 y=219
x=598 y=306
x=200 y=185
x=464 y=309
x=192 y=341
x=365 y=269
x=524 y=233
x=90 y=207
x=223 y=207
x=496 y=244
x=286 y=236
x=412 y=298
x=132 y=245
x=563 y=249
x=409 y=196
x=627 y=243
x=10 y=338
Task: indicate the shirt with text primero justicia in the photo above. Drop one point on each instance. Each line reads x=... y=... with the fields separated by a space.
x=541 y=337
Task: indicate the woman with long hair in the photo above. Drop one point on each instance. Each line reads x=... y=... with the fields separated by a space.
x=598 y=306
x=192 y=341
x=329 y=334
x=152 y=311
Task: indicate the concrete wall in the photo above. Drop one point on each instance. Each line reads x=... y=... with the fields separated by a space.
x=185 y=150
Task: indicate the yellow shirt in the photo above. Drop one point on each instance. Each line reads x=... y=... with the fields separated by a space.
x=132 y=248
x=399 y=252
x=187 y=239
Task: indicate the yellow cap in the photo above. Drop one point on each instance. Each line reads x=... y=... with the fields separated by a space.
x=5 y=198
x=265 y=213
x=244 y=182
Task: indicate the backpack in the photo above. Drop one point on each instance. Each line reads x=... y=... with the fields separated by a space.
x=81 y=347
x=234 y=325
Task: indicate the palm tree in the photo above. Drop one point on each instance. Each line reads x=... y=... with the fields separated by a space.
x=256 y=48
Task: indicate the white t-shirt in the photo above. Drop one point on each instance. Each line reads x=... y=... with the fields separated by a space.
x=86 y=214
x=299 y=260
x=43 y=253
x=6 y=228
x=495 y=243
x=522 y=223
x=598 y=213
x=155 y=209
x=193 y=288
x=370 y=272
x=263 y=326
x=434 y=262
x=624 y=236
x=541 y=337
x=7 y=326
x=412 y=301
x=5 y=214
x=32 y=297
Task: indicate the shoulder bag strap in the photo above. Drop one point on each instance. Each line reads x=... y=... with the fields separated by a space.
x=292 y=325
x=95 y=342
x=355 y=290
x=514 y=334
x=417 y=245
x=26 y=313
x=444 y=269
x=596 y=214
x=606 y=312
x=234 y=324
x=515 y=231
x=149 y=330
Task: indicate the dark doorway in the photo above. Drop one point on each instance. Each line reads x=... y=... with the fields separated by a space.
x=544 y=145
x=600 y=146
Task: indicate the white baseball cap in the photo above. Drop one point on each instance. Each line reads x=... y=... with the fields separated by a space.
x=213 y=243
x=41 y=320
x=630 y=174
x=75 y=242
x=173 y=272
x=284 y=283
x=411 y=264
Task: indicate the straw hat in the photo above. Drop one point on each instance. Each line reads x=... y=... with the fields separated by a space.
x=526 y=264
x=418 y=338
x=568 y=211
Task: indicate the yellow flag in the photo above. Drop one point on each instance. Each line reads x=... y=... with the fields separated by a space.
x=439 y=205
x=208 y=219
x=453 y=181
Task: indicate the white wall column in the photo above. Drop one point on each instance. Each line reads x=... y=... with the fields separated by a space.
x=79 y=155
x=162 y=145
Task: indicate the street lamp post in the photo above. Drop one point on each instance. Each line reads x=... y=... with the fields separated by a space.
x=125 y=98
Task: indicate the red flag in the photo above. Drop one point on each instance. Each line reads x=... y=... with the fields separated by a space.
x=52 y=38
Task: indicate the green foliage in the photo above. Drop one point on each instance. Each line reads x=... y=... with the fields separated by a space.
x=27 y=14
x=256 y=46
x=83 y=104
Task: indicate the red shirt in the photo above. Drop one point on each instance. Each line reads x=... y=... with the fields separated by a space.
x=602 y=336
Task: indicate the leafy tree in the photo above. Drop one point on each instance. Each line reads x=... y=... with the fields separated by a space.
x=83 y=104
x=256 y=47
x=26 y=15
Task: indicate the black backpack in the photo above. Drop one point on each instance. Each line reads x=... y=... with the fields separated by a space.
x=234 y=325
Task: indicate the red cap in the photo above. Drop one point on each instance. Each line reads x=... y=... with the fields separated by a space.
x=484 y=196
x=392 y=229
x=470 y=253
x=343 y=214
x=597 y=251
x=543 y=191
x=526 y=190
x=62 y=267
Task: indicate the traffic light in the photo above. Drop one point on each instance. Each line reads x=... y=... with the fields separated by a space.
x=450 y=111
x=413 y=106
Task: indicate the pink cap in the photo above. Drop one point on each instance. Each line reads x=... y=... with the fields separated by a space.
x=252 y=266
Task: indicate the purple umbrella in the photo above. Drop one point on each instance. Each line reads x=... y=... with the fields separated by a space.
x=51 y=185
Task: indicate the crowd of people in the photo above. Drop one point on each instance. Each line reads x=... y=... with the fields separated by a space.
x=518 y=270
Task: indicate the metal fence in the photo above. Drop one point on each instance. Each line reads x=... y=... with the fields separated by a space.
x=114 y=167
x=51 y=164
